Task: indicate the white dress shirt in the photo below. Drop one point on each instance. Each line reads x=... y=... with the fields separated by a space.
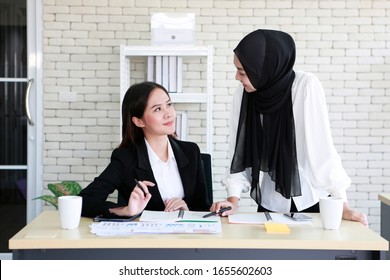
x=320 y=169
x=166 y=174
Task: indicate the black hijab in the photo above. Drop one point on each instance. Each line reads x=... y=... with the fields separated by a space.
x=266 y=132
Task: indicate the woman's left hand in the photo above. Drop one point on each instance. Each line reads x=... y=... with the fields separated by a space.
x=352 y=215
x=175 y=204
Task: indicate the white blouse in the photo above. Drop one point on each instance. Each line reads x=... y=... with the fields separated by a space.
x=166 y=174
x=320 y=169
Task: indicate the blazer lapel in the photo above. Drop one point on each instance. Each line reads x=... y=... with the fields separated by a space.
x=144 y=173
x=182 y=161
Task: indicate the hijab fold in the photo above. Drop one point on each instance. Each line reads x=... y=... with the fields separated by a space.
x=266 y=131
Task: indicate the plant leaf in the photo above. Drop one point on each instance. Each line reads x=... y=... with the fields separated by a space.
x=65 y=188
x=50 y=199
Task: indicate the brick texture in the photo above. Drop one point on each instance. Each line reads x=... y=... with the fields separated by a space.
x=345 y=43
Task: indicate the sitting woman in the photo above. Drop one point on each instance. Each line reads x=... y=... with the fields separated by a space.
x=169 y=171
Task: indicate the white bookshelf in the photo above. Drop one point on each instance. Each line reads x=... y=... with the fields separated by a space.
x=136 y=63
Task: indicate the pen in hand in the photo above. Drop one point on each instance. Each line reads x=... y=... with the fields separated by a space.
x=218 y=213
x=139 y=186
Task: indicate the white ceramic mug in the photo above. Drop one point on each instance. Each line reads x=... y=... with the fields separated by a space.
x=69 y=207
x=331 y=210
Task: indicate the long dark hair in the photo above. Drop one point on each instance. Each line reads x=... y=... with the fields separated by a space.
x=134 y=105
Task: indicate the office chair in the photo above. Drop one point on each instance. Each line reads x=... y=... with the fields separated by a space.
x=206 y=163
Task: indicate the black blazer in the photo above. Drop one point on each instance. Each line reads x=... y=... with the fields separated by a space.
x=128 y=164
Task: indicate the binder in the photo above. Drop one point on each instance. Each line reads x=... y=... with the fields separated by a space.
x=158 y=70
x=165 y=72
x=172 y=85
x=150 y=75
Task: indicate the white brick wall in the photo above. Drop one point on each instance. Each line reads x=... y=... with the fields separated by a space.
x=345 y=43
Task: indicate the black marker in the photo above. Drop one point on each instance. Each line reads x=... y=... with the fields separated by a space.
x=218 y=213
x=139 y=185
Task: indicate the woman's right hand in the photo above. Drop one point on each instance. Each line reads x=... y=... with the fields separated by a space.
x=137 y=201
x=231 y=201
x=139 y=198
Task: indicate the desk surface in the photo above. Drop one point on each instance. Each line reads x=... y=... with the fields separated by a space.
x=385 y=198
x=44 y=232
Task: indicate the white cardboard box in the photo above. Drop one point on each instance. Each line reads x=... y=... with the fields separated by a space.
x=173 y=29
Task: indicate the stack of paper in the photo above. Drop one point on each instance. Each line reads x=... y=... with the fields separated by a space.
x=161 y=222
x=128 y=228
x=177 y=216
x=261 y=218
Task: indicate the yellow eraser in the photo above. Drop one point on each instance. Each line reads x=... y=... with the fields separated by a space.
x=276 y=228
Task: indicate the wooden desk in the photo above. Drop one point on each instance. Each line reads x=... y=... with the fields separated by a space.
x=385 y=219
x=44 y=239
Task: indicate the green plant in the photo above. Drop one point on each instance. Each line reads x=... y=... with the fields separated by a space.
x=60 y=189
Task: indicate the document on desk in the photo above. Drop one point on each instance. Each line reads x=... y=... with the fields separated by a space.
x=260 y=218
x=129 y=228
x=177 y=216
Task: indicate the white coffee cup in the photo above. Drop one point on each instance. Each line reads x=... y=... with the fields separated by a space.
x=69 y=207
x=331 y=210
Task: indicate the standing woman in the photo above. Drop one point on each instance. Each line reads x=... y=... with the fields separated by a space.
x=281 y=142
x=169 y=171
